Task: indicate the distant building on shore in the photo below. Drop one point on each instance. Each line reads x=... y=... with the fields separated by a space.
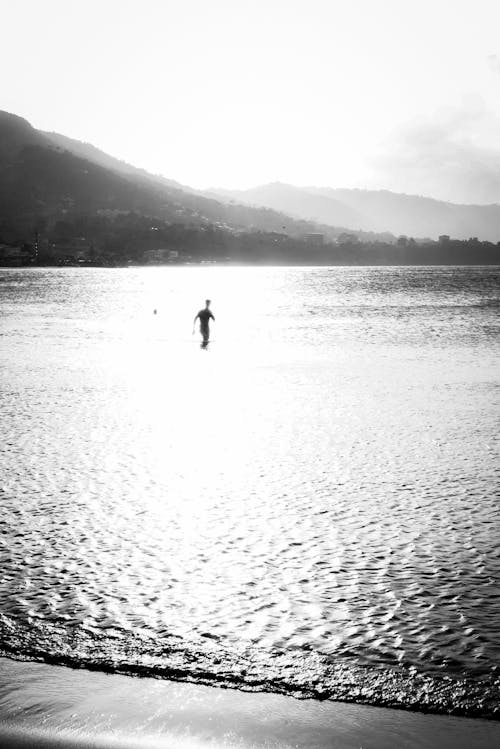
x=15 y=255
x=73 y=250
x=160 y=256
x=315 y=238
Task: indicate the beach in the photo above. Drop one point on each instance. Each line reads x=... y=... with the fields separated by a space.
x=52 y=706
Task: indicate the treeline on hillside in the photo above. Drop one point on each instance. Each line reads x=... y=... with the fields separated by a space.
x=134 y=238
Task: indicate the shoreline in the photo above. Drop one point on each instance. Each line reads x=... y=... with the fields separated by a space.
x=50 y=706
x=303 y=676
x=252 y=264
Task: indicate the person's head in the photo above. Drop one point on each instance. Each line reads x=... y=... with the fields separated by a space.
x=207 y=303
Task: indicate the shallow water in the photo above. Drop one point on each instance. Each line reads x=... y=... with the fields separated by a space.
x=310 y=505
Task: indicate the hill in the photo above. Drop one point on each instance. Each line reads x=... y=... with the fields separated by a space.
x=63 y=201
x=46 y=176
x=96 y=156
x=375 y=210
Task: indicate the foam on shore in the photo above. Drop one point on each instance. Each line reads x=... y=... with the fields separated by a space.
x=53 y=707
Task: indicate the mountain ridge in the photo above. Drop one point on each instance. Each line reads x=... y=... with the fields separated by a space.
x=46 y=174
x=91 y=153
x=59 y=196
x=286 y=207
x=374 y=210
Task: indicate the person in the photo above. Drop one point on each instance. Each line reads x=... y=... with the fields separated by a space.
x=204 y=316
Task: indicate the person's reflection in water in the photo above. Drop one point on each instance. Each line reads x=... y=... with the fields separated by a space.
x=204 y=316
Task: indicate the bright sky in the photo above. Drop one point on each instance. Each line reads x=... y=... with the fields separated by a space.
x=394 y=94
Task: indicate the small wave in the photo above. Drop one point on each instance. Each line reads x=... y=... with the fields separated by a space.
x=300 y=672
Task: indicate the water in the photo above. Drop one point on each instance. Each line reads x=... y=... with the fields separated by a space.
x=308 y=506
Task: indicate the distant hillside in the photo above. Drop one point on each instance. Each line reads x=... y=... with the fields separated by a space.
x=298 y=202
x=16 y=134
x=96 y=156
x=66 y=201
x=39 y=179
x=46 y=176
x=376 y=211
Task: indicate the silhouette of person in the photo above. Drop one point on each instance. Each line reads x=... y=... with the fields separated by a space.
x=204 y=316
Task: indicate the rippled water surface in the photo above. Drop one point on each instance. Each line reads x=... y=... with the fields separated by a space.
x=310 y=504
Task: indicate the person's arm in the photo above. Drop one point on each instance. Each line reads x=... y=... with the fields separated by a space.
x=194 y=321
x=213 y=318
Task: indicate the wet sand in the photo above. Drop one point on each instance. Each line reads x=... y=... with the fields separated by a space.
x=52 y=707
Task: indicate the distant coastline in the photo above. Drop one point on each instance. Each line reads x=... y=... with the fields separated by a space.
x=262 y=249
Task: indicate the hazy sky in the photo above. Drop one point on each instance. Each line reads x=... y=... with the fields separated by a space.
x=394 y=94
